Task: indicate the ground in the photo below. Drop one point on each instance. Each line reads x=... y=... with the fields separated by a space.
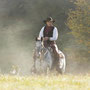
x=45 y=82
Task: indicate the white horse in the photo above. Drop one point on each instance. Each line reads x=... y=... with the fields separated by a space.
x=43 y=59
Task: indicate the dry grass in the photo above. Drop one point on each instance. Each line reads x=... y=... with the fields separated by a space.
x=42 y=82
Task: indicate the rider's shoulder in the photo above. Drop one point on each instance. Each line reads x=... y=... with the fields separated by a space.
x=43 y=27
x=55 y=27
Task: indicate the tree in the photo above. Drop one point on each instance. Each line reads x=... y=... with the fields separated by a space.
x=79 y=21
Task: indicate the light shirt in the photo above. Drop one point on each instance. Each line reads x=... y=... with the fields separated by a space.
x=53 y=38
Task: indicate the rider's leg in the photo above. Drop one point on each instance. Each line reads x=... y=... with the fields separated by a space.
x=55 y=51
x=57 y=57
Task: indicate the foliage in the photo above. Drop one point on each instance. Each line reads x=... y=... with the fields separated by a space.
x=79 y=21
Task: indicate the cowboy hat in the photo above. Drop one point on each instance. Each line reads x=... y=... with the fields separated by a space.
x=49 y=19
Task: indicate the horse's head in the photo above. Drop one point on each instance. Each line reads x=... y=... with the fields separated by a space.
x=38 y=46
x=42 y=56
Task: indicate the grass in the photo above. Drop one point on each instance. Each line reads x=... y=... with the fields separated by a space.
x=45 y=82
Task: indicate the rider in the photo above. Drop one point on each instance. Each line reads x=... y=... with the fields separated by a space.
x=49 y=33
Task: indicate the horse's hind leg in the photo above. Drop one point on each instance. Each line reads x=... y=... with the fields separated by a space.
x=61 y=66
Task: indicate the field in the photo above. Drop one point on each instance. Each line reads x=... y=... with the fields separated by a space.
x=45 y=82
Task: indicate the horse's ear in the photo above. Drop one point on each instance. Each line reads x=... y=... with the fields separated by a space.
x=41 y=38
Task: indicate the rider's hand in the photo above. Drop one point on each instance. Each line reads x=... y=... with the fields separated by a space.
x=46 y=38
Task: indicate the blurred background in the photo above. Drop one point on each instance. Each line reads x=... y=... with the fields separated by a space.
x=21 y=21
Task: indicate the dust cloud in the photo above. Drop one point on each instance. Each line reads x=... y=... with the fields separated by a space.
x=20 y=23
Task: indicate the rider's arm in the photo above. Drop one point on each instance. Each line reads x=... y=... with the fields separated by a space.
x=41 y=33
x=55 y=35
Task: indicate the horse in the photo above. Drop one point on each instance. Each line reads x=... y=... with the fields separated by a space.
x=44 y=59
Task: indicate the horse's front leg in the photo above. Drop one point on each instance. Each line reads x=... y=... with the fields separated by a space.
x=61 y=64
x=34 y=59
x=41 y=58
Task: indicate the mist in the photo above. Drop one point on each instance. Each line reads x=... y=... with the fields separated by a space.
x=20 y=23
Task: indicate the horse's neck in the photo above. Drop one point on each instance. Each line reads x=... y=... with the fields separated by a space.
x=48 y=50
